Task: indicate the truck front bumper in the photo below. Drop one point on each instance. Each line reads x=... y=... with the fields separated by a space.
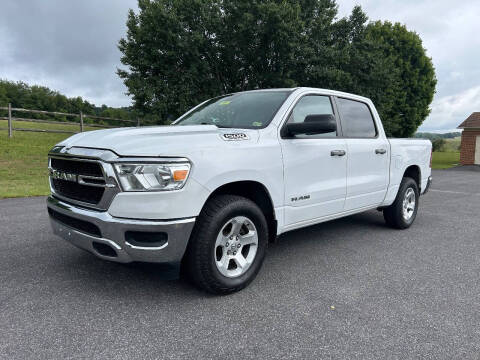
x=119 y=239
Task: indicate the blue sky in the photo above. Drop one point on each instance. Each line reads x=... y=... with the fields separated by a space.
x=70 y=46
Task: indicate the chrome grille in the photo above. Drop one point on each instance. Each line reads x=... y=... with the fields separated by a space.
x=76 y=191
x=80 y=167
x=81 y=181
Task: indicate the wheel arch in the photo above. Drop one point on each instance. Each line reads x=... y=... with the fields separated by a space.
x=256 y=192
x=414 y=172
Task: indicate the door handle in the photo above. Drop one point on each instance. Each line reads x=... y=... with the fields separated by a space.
x=380 y=151
x=337 y=153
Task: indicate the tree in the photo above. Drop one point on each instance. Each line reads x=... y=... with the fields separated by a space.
x=438 y=144
x=415 y=78
x=22 y=95
x=181 y=52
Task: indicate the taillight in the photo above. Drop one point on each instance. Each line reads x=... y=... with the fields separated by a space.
x=431 y=157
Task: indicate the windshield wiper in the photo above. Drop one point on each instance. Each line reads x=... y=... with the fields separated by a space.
x=219 y=126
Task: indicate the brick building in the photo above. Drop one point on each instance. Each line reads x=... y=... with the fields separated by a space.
x=470 y=148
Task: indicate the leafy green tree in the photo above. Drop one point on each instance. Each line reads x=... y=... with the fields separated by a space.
x=415 y=78
x=22 y=95
x=180 y=52
x=438 y=144
x=3 y=97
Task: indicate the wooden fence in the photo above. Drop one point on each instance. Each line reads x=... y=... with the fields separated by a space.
x=80 y=116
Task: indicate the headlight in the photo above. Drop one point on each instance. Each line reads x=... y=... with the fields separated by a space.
x=152 y=177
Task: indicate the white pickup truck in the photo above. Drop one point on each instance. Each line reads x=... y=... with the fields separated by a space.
x=214 y=188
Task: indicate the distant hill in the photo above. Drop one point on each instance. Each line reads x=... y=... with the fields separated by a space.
x=433 y=136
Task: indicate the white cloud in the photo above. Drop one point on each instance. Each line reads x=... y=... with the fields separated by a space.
x=68 y=46
x=449 y=32
x=449 y=111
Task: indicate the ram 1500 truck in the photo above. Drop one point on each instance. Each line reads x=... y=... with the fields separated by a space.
x=214 y=188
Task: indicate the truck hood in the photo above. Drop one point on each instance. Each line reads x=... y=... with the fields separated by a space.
x=162 y=140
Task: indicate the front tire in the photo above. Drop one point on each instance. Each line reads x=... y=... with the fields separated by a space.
x=228 y=245
x=402 y=213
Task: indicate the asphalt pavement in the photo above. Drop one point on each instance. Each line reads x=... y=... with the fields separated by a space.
x=347 y=289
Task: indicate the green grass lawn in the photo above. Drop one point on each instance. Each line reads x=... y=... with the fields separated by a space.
x=42 y=126
x=445 y=160
x=23 y=158
x=452 y=145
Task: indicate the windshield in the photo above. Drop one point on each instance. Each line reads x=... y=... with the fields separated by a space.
x=248 y=110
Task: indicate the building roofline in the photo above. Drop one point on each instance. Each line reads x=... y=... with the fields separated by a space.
x=471 y=122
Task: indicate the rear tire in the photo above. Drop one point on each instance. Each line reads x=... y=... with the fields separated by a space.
x=402 y=213
x=227 y=246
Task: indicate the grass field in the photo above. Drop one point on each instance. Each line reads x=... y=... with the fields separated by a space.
x=449 y=154
x=23 y=158
x=445 y=160
x=452 y=145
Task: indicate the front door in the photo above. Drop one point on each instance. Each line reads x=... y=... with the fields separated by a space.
x=315 y=178
x=368 y=155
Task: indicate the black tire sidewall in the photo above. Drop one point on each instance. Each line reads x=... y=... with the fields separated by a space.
x=238 y=207
x=406 y=184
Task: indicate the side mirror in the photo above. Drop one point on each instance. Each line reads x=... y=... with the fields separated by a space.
x=313 y=124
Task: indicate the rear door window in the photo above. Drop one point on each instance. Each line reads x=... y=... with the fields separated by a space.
x=357 y=120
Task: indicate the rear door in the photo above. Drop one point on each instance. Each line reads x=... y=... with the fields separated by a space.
x=367 y=155
x=315 y=178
